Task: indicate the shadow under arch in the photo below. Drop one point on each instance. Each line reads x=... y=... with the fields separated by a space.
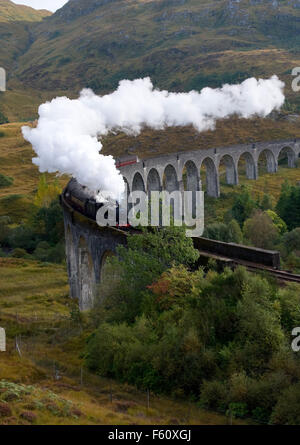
x=246 y=166
x=171 y=183
x=191 y=182
x=209 y=170
x=155 y=204
x=267 y=162
x=286 y=157
x=191 y=177
x=126 y=185
x=86 y=277
x=227 y=168
x=104 y=264
x=153 y=181
x=71 y=262
x=138 y=183
x=109 y=278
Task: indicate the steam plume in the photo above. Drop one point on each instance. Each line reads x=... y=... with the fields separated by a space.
x=66 y=137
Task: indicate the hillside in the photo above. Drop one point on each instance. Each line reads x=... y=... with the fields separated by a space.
x=10 y=12
x=181 y=44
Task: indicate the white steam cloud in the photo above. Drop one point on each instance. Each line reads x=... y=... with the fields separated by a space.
x=66 y=137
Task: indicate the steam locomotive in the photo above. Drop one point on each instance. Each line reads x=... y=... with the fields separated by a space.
x=83 y=200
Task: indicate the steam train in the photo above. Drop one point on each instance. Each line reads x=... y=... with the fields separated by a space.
x=83 y=200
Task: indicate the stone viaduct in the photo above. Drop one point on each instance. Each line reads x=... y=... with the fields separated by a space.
x=167 y=172
x=88 y=245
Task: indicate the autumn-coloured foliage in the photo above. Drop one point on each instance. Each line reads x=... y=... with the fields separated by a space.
x=46 y=192
x=175 y=286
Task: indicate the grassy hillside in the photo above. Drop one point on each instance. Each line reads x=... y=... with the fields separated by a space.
x=16 y=24
x=10 y=12
x=16 y=162
x=182 y=45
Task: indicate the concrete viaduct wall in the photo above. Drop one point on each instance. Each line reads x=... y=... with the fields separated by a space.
x=166 y=172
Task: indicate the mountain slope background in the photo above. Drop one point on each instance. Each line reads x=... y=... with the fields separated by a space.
x=180 y=44
x=11 y=12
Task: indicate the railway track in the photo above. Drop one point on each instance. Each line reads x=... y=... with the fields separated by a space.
x=280 y=275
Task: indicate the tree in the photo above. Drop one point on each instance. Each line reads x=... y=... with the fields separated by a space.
x=279 y=223
x=46 y=193
x=235 y=234
x=217 y=231
x=4 y=229
x=266 y=202
x=228 y=233
x=49 y=224
x=287 y=409
x=243 y=206
x=288 y=206
x=138 y=265
x=3 y=118
x=291 y=240
x=260 y=230
x=283 y=199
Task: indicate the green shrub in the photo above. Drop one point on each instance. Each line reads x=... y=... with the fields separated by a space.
x=51 y=254
x=5 y=181
x=287 y=409
x=238 y=410
x=22 y=237
x=3 y=118
x=260 y=415
x=214 y=395
x=19 y=253
x=228 y=233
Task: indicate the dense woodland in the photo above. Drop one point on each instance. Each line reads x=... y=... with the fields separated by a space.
x=221 y=339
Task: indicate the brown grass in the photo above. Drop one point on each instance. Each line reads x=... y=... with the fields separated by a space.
x=228 y=132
